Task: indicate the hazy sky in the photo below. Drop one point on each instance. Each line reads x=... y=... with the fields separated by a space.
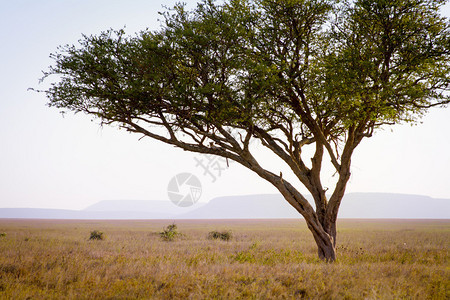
x=50 y=161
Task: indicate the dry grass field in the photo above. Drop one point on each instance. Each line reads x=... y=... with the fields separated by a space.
x=265 y=259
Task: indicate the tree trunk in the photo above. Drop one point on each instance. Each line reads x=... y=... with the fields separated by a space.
x=327 y=253
x=322 y=226
x=326 y=243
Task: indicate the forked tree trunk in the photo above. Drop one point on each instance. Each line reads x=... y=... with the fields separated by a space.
x=322 y=226
x=326 y=244
x=320 y=221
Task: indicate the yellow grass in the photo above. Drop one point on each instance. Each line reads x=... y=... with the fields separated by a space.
x=266 y=259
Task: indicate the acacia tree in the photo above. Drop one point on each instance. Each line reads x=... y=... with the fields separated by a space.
x=287 y=73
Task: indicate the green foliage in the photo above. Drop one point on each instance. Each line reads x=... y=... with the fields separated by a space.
x=96 y=235
x=389 y=60
x=247 y=63
x=170 y=233
x=222 y=235
x=2 y=234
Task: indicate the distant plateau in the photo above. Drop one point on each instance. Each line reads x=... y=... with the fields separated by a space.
x=265 y=206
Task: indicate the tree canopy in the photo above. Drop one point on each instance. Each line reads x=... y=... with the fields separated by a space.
x=288 y=73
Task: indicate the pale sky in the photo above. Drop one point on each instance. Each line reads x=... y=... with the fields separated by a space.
x=49 y=161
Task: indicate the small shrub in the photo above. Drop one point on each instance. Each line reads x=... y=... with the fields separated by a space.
x=2 y=234
x=96 y=235
x=224 y=235
x=169 y=233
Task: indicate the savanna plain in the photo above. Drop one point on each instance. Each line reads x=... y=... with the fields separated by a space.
x=263 y=259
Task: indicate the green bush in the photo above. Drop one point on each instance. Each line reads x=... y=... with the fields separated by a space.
x=224 y=235
x=2 y=234
x=169 y=233
x=96 y=235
